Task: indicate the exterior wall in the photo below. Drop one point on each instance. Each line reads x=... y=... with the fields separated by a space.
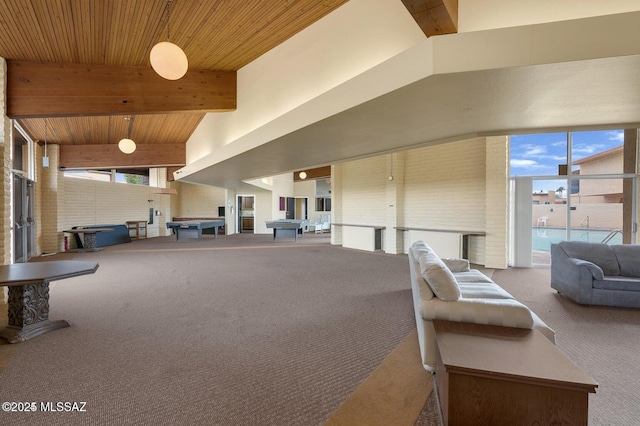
x=600 y=215
x=50 y=197
x=603 y=165
x=5 y=187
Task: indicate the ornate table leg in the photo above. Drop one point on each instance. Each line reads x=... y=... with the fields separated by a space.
x=90 y=240
x=29 y=313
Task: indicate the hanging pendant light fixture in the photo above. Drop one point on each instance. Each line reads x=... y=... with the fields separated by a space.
x=167 y=59
x=127 y=145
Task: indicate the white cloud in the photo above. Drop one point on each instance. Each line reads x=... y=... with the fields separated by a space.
x=616 y=136
x=528 y=164
x=535 y=151
x=588 y=149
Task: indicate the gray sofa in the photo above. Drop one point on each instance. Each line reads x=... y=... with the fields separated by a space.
x=447 y=289
x=597 y=274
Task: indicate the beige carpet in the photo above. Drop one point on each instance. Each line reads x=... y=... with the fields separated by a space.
x=394 y=394
x=208 y=333
x=603 y=341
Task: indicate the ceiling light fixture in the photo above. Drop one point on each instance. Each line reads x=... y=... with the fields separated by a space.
x=303 y=175
x=168 y=59
x=127 y=145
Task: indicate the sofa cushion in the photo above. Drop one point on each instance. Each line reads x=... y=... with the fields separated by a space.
x=617 y=283
x=628 y=256
x=438 y=276
x=457 y=265
x=502 y=312
x=472 y=276
x=600 y=254
x=483 y=291
x=421 y=286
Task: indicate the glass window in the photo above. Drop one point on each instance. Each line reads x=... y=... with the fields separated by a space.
x=597 y=152
x=538 y=155
x=22 y=151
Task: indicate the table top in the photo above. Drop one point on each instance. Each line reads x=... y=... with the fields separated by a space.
x=286 y=223
x=19 y=274
x=507 y=353
x=187 y=223
x=88 y=230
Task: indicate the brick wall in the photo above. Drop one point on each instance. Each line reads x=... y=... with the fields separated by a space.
x=455 y=186
x=445 y=186
x=495 y=252
x=5 y=187
x=199 y=200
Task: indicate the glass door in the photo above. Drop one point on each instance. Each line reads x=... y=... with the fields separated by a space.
x=23 y=221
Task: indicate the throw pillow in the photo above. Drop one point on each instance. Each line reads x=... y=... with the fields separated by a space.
x=439 y=277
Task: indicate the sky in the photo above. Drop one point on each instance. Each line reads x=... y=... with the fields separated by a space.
x=540 y=154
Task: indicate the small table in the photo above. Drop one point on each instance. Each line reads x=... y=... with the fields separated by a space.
x=89 y=238
x=490 y=375
x=139 y=227
x=29 y=295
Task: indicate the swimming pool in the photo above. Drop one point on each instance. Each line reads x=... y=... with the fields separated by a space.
x=542 y=238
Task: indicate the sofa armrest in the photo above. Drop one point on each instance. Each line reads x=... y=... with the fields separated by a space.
x=573 y=277
x=595 y=270
x=457 y=265
x=501 y=312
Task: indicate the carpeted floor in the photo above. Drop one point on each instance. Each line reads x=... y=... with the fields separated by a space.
x=240 y=330
x=603 y=341
x=246 y=330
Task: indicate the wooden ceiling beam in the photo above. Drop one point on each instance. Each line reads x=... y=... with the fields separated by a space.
x=311 y=174
x=435 y=17
x=108 y=156
x=47 y=89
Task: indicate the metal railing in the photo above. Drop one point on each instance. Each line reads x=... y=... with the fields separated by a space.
x=610 y=235
x=585 y=220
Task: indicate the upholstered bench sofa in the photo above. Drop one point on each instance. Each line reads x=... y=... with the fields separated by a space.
x=119 y=235
x=447 y=289
x=597 y=274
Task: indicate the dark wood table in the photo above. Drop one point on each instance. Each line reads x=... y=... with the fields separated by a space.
x=29 y=295
x=489 y=375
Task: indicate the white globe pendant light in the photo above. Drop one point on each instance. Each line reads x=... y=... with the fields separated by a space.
x=168 y=59
x=127 y=145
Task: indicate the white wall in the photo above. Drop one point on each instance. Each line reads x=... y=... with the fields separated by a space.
x=90 y=202
x=321 y=57
x=199 y=200
x=445 y=186
x=474 y=15
x=364 y=191
x=453 y=187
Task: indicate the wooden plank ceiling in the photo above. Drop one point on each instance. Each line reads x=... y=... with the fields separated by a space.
x=114 y=37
